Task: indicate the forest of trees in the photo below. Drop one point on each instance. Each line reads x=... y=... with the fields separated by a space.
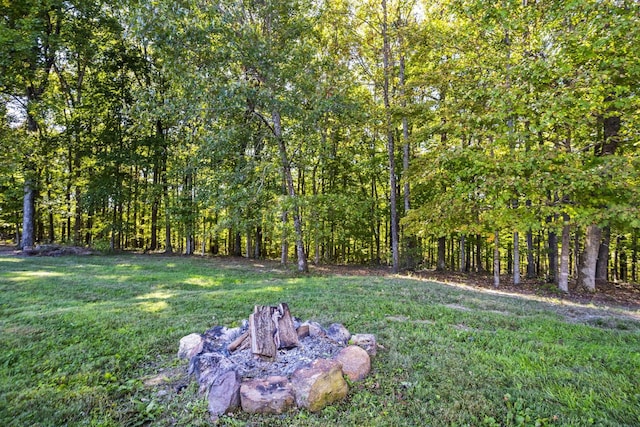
x=466 y=135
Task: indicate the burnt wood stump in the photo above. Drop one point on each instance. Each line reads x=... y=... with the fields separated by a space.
x=271 y=328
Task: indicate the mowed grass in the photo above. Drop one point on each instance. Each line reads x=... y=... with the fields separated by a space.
x=93 y=341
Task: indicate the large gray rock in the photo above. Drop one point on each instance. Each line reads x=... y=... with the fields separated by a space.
x=224 y=394
x=315 y=329
x=208 y=367
x=356 y=363
x=190 y=346
x=366 y=341
x=272 y=395
x=338 y=333
x=319 y=384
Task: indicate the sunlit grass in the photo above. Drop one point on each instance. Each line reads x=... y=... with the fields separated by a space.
x=85 y=340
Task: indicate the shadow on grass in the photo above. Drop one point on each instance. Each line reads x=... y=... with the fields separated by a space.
x=81 y=332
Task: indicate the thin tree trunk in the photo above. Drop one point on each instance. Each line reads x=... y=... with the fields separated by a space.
x=563 y=281
x=463 y=254
x=154 y=210
x=616 y=261
x=168 y=248
x=634 y=256
x=553 y=257
x=386 y=53
x=237 y=244
x=479 y=253
x=52 y=236
x=77 y=225
x=286 y=169
x=496 y=260
x=587 y=277
x=159 y=159
x=602 y=266
x=442 y=246
x=29 y=201
x=257 y=248
x=516 y=258
x=410 y=241
x=577 y=254
x=28 y=220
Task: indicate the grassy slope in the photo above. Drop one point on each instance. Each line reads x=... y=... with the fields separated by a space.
x=79 y=337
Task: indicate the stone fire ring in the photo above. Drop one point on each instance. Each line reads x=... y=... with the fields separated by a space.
x=273 y=363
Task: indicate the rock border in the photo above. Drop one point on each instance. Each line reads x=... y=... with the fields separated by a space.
x=313 y=384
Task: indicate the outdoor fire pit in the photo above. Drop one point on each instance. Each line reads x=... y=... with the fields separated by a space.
x=273 y=363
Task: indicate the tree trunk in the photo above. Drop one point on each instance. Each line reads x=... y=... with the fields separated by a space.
x=516 y=258
x=257 y=248
x=28 y=219
x=410 y=241
x=552 y=257
x=237 y=244
x=29 y=201
x=386 y=54
x=442 y=246
x=284 y=242
x=154 y=219
x=563 y=282
x=616 y=261
x=463 y=254
x=577 y=254
x=478 y=253
x=496 y=260
x=602 y=266
x=634 y=256
x=77 y=224
x=249 y=246
x=587 y=277
x=291 y=191
x=168 y=248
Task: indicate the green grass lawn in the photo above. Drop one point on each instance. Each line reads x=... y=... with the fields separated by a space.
x=93 y=341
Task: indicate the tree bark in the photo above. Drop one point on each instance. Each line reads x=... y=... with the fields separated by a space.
x=154 y=213
x=441 y=261
x=168 y=248
x=479 y=253
x=284 y=242
x=516 y=258
x=286 y=331
x=563 y=281
x=496 y=260
x=602 y=266
x=29 y=200
x=552 y=255
x=28 y=219
x=262 y=330
x=463 y=254
x=634 y=256
x=257 y=248
x=410 y=241
x=237 y=244
x=587 y=277
x=291 y=191
x=386 y=54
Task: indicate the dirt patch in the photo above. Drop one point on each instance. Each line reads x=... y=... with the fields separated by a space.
x=167 y=381
x=620 y=295
x=8 y=250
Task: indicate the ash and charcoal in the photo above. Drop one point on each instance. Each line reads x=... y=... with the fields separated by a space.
x=320 y=343
x=272 y=354
x=287 y=361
